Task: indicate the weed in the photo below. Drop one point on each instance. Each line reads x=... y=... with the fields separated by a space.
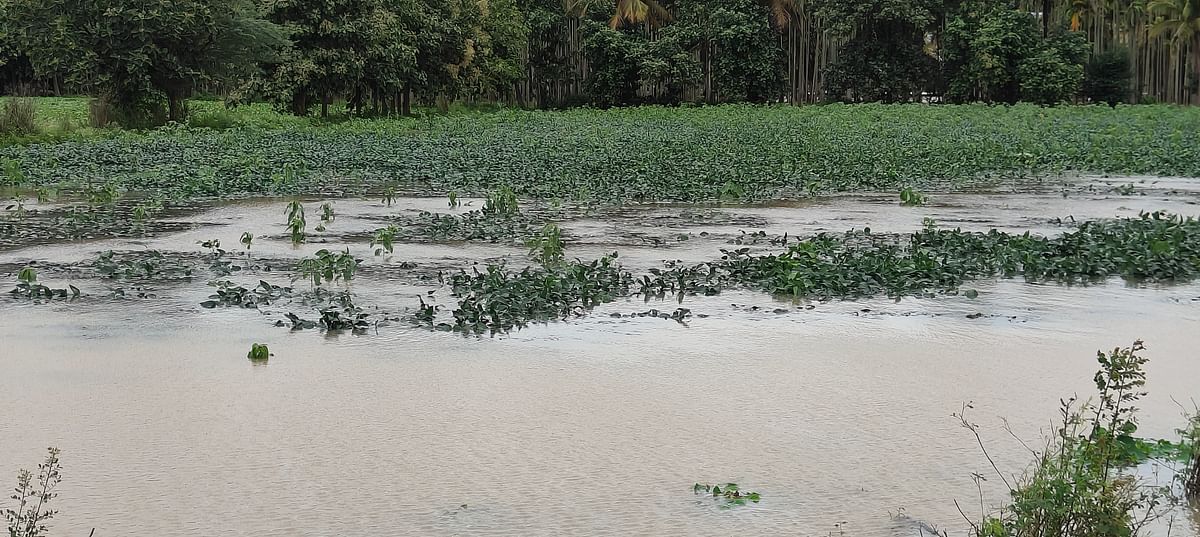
x=1075 y=487
x=382 y=240
x=327 y=267
x=247 y=239
x=729 y=494
x=911 y=197
x=296 y=222
x=28 y=287
x=327 y=213
x=501 y=203
x=454 y=202
x=259 y=353
x=389 y=195
x=547 y=248
x=33 y=496
x=18 y=116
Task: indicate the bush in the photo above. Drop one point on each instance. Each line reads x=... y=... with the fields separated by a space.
x=19 y=116
x=1106 y=77
x=216 y=120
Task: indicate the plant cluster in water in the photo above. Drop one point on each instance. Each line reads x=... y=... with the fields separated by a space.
x=327 y=267
x=230 y=295
x=499 y=300
x=28 y=287
x=1154 y=247
x=729 y=494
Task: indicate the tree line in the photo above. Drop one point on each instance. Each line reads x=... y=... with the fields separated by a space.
x=144 y=58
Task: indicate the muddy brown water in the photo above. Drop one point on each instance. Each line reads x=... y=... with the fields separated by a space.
x=838 y=414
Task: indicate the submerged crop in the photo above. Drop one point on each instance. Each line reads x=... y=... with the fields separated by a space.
x=710 y=153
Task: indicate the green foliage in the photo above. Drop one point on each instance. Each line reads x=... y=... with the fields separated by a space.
x=295 y=221
x=498 y=300
x=1155 y=247
x=1074 y=488
x=995 y=53
x=144 y=57
x=27 y=275
x=888 y=65
x=615 y=55
x=547 y=248
x=1054 y=74
x=247 y=239
x=729 y=494
x=28 y=287
x=502 y=203
x=382 y=240
x=327 y=267
x=259 y=353
x=911 y=196
x=1107 y=77
x=649 y=153
x=33 y=496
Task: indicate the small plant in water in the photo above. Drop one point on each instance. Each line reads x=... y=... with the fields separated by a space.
x=247 y=239
x=33 y=495
x=502 y=203
x=389 y=195
x=30 y=288
x=296 y=222
x=383 y=238
x=729 y=494
x=911 y=197
x=547 y=247
x=327 y=213
x=328 y=267
x=212 y=244
x=259 y=353
x=454 y=203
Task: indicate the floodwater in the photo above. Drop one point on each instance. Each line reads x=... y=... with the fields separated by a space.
x=838 y=413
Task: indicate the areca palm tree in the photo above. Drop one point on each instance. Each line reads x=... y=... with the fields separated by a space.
x=1179 y=22
x=651 y=12
x=624 y=11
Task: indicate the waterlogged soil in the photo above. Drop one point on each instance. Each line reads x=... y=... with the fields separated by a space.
x=837 y=413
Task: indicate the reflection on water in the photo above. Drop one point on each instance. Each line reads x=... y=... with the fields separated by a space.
x=839 y=414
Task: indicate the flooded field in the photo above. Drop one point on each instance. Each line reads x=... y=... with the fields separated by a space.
x=838 y=412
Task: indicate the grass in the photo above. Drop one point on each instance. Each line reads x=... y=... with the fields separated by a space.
x=731 y=153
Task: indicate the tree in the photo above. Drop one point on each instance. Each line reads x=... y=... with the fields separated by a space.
x=885 y=57
x=1179 y=22
x=984 y=46
x=1106 y=77
x=140 y=53
x=332 y=41
x=1054 y=73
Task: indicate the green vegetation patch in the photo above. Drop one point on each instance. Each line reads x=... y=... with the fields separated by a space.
x=733 y=152
x=1156 y=247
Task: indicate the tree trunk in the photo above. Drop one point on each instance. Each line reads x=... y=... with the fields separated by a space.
x=176 y=106
x=325 y=105
x=406 y=102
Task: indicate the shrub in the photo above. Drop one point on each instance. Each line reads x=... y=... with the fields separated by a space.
x=19 y=116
